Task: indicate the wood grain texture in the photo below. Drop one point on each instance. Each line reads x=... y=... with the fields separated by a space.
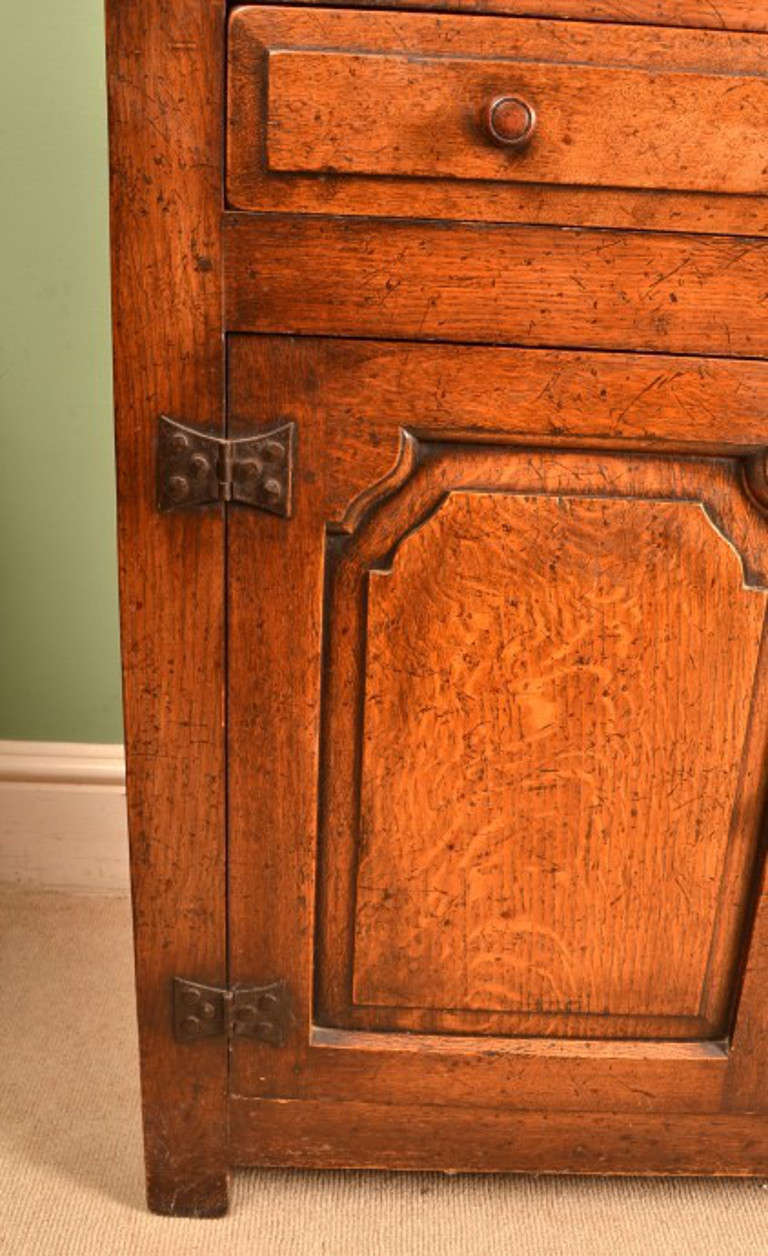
x=275 y=651
x=520 y=1074
x=427 y=122
x=363 y=113
x=342 y=1135
x=725 y=15
x=460 y=748
x=349 y=400
x=362 y=394
x=551 y=476
x=497 y=285
x=540 y=760
x=165 y=72
x=514 y=1073
x=746 y=1086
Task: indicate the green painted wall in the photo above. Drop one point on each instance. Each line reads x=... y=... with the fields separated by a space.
x=59 y=671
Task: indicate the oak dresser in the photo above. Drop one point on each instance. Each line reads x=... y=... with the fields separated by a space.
x=442 y=419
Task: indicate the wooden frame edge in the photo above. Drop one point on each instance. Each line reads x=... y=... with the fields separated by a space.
x=326 y=1134
x=165 y=90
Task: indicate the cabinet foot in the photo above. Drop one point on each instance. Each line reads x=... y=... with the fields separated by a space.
x=198 y=1197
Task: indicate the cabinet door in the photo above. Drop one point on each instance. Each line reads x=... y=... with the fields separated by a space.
x=497 y=727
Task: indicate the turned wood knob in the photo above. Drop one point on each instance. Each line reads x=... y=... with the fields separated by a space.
x=510 y=121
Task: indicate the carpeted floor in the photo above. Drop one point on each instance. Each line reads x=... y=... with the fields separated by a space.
x=70 y=1155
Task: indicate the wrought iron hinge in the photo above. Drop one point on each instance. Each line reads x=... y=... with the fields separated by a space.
x=261 y=1012
x=195 y=468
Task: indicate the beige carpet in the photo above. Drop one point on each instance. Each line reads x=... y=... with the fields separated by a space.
x=70 y=1157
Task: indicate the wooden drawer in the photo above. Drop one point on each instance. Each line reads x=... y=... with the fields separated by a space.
x=405 y=114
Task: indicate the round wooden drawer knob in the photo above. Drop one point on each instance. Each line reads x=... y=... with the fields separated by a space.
x=510 y=121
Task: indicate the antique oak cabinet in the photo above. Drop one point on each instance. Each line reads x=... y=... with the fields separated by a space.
x=442 y=419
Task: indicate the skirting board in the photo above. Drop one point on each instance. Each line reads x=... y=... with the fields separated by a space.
x=62 y=817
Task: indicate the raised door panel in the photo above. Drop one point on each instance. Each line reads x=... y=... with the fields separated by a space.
x=540 y=774
x=541 y=759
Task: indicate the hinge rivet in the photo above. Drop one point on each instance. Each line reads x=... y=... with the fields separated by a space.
x=275 y=451
x=200 y=465
x=178 y=487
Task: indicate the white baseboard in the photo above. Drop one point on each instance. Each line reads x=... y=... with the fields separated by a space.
x=62 y=817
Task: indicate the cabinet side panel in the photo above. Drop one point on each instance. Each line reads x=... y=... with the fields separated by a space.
x=165 y=86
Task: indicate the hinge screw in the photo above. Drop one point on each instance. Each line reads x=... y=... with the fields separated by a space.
x=272 y=488
x=191 y=1025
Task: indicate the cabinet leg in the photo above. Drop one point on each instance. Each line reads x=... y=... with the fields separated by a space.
x=185 y=1132
x=191 y=1197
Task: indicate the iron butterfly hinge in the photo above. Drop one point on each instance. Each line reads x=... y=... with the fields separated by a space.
x=203 y=1011
x=195 y=468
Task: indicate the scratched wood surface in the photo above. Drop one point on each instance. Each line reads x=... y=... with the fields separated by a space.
x=541 y=758
x=504 y=365
x=358 y=395
x=394 y=114
x=388 y=849
x=275 y=657
x=166 y=192
x=343 y=1135
x=525 y=285
x=399 y=97
x=723 y=15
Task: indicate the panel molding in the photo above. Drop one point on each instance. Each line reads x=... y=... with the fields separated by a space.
x=430 y=474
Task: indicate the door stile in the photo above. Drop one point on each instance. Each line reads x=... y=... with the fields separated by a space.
x=274 y=642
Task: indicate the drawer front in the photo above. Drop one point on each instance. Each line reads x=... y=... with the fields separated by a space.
x=432 y=117
x=465 y=117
